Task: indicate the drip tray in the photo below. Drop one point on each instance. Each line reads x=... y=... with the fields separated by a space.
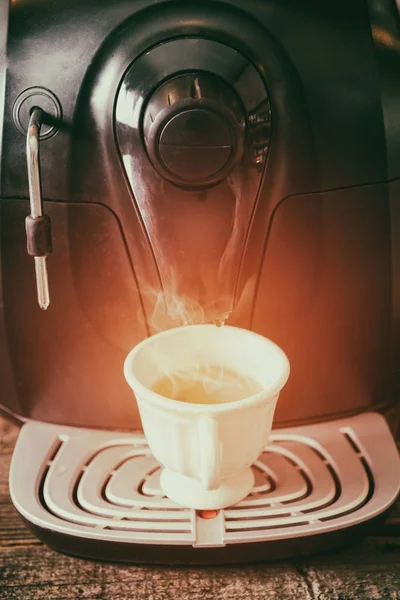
x=104 y=486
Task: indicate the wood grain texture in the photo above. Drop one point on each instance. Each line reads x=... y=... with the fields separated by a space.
x=31 y=571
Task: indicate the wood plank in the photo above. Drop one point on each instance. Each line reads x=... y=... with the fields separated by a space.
x=31 y=571
x=37 y=572
x=52 y=573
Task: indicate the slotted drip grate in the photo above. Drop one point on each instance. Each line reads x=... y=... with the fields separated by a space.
x=104 y=485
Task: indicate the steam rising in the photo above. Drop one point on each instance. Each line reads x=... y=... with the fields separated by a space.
x=178 y=309
x=206 y=384
x=202 y=289
x=173 y=310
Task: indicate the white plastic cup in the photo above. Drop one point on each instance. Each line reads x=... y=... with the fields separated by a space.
x=206 y=449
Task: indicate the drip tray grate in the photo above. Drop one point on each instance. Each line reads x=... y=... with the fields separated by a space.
x=103 y=485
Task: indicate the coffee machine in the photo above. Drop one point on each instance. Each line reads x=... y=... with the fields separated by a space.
x=175 y=161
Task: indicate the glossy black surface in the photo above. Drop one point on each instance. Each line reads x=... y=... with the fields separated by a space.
x=328 y=43
x=195 y=227
x=194 y=127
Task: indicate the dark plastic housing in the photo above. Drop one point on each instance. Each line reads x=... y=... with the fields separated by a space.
x=315 y=267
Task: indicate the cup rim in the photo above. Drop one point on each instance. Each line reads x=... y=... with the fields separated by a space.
x=191 y=407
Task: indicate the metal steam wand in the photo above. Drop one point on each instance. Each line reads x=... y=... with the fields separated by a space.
x=37 y=225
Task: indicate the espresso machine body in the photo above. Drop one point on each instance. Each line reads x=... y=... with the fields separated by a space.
x=207 y=161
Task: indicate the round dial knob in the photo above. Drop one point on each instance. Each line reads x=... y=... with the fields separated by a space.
x=194 y=130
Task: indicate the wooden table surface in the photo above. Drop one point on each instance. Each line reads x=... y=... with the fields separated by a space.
x=30 y=570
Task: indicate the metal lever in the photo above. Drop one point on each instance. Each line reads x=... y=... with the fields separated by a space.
x=37 y=225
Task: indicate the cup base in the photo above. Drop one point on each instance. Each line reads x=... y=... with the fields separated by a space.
x=190 y=493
